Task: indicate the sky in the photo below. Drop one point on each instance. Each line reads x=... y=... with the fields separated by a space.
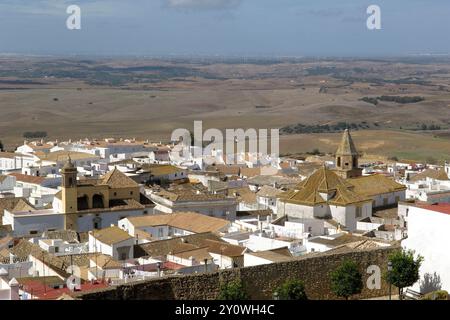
x=329 y=28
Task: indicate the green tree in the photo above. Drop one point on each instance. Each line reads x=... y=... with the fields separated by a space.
x=405 y=269
x=292 y=290
x=346 y=280
x=233 y=290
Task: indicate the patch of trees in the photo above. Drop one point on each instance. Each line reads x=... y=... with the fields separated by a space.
x=346 y=280
x=404 y=270
x=401 y=99
x=322 y=128
x=291 y=289
x=396 y=99
x=35 y=134
x=233 y=290
x=373 y=101
x=430 y=127
x=315 y=152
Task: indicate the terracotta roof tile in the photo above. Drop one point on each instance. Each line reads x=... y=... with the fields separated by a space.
x=111 y=235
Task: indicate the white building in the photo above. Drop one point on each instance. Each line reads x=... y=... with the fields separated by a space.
x=429 y=186
x=7 y=183
x=9 y=289
x=214 y=205
x=113 y=242
x=428 y=236
x=261 y=242
x=10 y=162
x=266 y=257
x=267 y=197
x=163 y=226
x=33 y=223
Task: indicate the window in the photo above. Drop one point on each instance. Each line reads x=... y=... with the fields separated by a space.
x=123 y=256
x=131 y=193
x=33 y=232
x=56 y=249
x=160 y=232
x=358 y=212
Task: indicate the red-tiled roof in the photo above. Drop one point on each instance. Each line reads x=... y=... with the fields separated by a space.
x=440 y=207
x=36 y=288
x=28 y=179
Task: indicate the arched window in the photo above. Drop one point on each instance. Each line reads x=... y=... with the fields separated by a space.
x=97 y=201
x=83 y=203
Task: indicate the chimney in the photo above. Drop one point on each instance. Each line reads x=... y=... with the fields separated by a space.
x=14 y=287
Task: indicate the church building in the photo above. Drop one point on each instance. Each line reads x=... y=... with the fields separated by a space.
x=84 y=205
x=97 y=203
x=343 y=194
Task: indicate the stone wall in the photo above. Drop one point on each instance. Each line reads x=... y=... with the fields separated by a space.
x=260 y=281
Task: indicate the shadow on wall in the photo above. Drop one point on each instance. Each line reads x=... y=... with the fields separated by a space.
x=430 y=283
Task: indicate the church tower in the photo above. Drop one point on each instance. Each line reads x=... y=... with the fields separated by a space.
x=69 y=188
x=347 y=158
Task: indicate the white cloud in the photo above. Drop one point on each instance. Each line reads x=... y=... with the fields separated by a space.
x=203 y=4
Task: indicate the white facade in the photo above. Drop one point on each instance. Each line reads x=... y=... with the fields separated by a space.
x=387 y=199
x=267 y=202
x=428 y=190
x=261 y=243
x=158 y=232
x=34 y=222
x=9 y=289
x=429 y=236
x=223 y=208
x=7 y=183
x=299 y=229
x=122 y=250
x=346 y=216
x=15 y=161
x=253 y=260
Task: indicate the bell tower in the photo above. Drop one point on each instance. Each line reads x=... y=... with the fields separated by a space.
x=69 y=187
x=347 y=158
